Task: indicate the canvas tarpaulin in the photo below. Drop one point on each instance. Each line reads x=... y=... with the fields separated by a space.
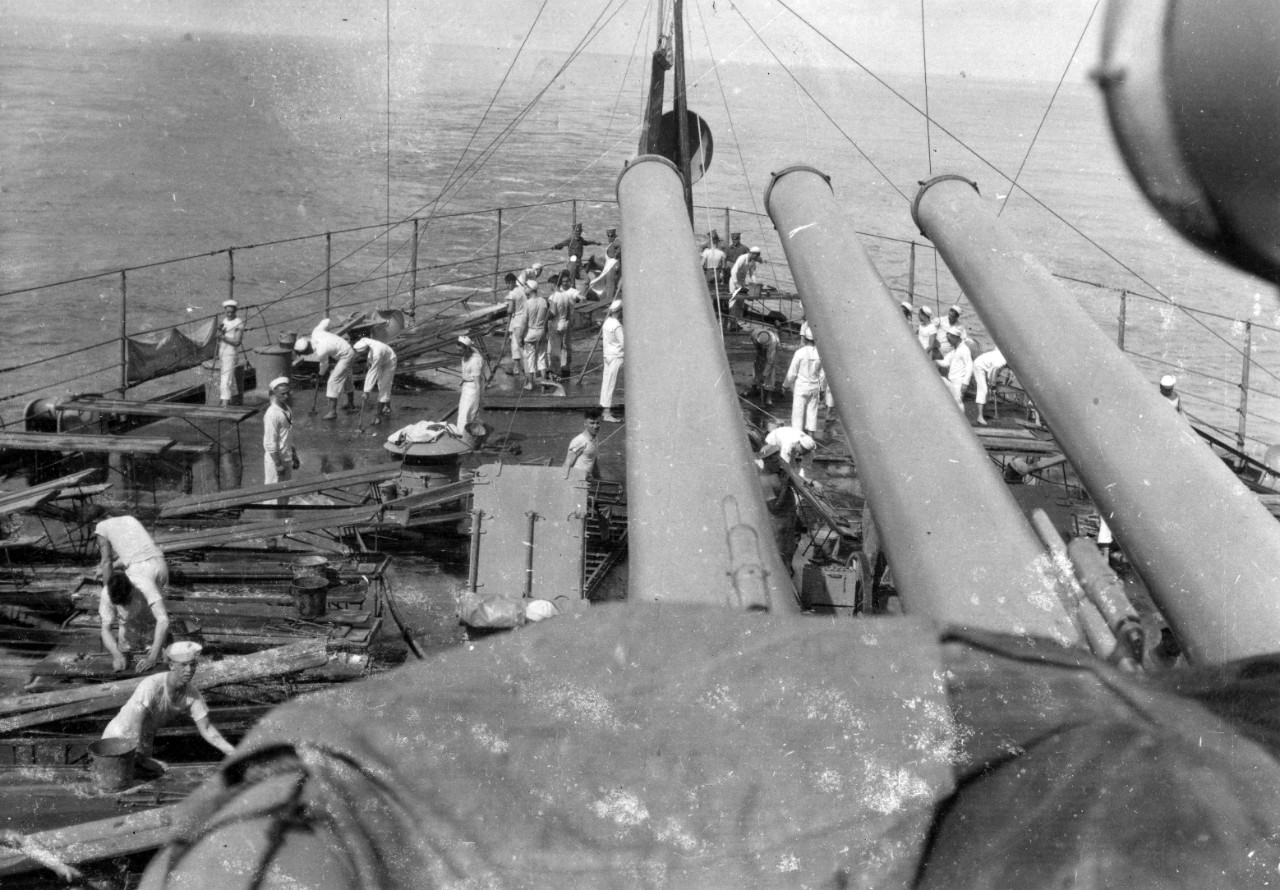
x=666 y=746
x=625 y=746
x=169 y=351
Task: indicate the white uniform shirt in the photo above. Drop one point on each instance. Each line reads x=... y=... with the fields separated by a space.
x=743 y=273
x=277 y=431
x=713 y=258
x=227 y=327
x=925 y=333
x=612 y=338
x=129 y=541
x=379 y=352
x=787 y=438
x=327 y=346
x=473 y=368
x=806 y=369
x=561 y=305
x=959 y=364
x=150 y=707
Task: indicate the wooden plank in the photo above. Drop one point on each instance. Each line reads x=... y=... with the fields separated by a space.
x=130 y=408
x=21 y=502
x=53 y=487
x=38 y=707
x=241 y=497
x=89 y=841
x=272 y=528
x=84 y=443
x=531 y=402
x=83 y=491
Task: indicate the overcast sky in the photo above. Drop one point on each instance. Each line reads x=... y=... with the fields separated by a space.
x=984 y=38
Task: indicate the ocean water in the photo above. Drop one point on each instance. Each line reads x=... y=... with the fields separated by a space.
x=128 y=148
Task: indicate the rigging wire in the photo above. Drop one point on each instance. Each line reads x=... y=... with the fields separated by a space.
x=818 y=104
x=617 y=100
x=737 y=145
x=1040 y=126
x=1035 y=198
x=388 y=239
x=928 y=149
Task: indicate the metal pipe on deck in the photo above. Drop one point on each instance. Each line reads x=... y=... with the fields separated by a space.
x=1206 y=548
x=960 y=549
x=687 y=447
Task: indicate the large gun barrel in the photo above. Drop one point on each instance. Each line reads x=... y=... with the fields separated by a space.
x=1201 y=541
x=698 y=527
x=960 y=549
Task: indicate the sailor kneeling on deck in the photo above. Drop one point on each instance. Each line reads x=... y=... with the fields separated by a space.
x=132 y=568
x=162 y=698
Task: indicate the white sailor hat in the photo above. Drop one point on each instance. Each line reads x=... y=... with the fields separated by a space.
x=229 y=304
x=806 y=442
x=1168 y=381
x=806 y=332
x=536 y=268
x=279 y=381
x=183 y=652
x=926 y=311
x=615 y=305
x=907 y=306
x=754 y=250
x=573 y=259
x=466 y=341
x=957 y=331
x=955 y=307
x=301 y=345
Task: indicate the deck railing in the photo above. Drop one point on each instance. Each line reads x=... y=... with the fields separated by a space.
x=431 y=264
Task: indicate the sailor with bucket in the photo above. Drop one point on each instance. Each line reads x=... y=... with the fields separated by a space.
x=162 y=698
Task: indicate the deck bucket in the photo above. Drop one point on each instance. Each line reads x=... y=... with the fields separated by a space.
x=311 y=596
x=753 y=291
x=113 y=763
x=311 y=566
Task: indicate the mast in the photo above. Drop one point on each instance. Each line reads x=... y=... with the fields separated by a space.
x=651 y=131
x=681 y=106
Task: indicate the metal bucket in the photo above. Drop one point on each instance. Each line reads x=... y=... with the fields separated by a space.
x=273 y=362
x=753 y=291
x=313 y=565
x=113 y=763
x=311 y=596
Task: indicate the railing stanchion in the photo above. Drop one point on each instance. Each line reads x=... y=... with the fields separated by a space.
x=497 y=254
x=1124 y=311
x=124 y=335
x=1244 y=383
x=413 y=274
x=911 y=275
x=231 y=273
x=328 y=271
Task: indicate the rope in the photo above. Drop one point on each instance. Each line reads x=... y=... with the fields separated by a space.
x=1047 y=109
x=816 y=103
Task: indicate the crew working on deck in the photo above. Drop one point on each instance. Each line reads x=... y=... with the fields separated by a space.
x=323 y=347
x=230 y=334
x=764 y=366
x=574 y=244
x=957 y=362
x=985 y=369
x=133 y=571
x=279 y=457
x=475 y=375
x=560 y=325
x=807 y=380
x=534 y=345
x=584 y=450
x=1167 y=384
x=380 y=375
x=741 y=277
x=611 y=335
x=162 y=698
